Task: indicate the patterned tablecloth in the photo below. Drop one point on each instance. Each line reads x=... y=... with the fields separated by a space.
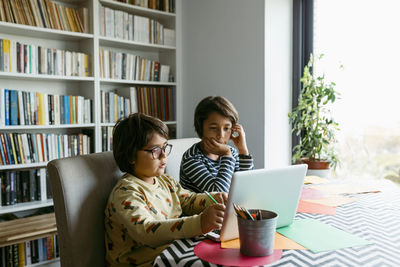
x=374 y=217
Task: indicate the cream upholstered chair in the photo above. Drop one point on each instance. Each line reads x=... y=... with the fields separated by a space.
x=178 y=149
x=81 y=186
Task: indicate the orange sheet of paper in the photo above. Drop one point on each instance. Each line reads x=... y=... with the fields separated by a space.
x=315 y=180
x=315 y=208
x=281 y=242
x=333 y=201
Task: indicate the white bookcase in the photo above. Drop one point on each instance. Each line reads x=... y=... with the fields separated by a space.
x=89 y=87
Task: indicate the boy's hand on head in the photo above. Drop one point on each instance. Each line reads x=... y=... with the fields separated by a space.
x=212 y=217
x=221 y=197
x=240 y=139
x=212 y=146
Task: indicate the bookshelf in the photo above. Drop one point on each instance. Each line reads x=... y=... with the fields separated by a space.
x=90 y=86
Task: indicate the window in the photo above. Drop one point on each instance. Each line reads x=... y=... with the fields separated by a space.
x=362 y=35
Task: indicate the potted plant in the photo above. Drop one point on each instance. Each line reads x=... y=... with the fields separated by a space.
x=312 y=123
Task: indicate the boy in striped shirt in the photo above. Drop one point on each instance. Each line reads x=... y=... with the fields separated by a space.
x=210 y=164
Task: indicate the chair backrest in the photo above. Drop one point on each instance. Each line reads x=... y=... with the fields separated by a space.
x=178 y=149
x=81 y=186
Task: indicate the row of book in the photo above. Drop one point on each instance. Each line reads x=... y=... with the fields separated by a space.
x=122 y=25
x=22 y=148
x=158 y=102
x=126 y=66
x=162 y=5
x=114 y=106
x=20 y=186
x=106 y=138
x=45 y=14
x=30 y=252
x=32 y=59
x=36 y=108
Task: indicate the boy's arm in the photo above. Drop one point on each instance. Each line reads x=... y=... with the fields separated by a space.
x=243 y=162
x=191 y=203
x=196 y=176
x=138 y=219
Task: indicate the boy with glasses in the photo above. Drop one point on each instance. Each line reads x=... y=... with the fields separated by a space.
x=148 y=209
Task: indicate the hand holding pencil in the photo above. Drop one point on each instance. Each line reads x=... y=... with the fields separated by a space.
x=220 y=197
x=212 y=216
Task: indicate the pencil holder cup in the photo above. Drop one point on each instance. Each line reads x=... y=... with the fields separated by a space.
x=257 y=237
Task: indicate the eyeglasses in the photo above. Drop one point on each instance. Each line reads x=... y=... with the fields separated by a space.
x=156 y=152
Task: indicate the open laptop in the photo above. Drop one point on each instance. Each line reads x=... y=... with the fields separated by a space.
x=277 y=190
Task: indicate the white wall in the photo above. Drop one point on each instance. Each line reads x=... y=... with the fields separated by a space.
x=223 y=53
x=278 y=77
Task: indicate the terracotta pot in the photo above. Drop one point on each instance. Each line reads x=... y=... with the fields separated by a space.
x=315 y=165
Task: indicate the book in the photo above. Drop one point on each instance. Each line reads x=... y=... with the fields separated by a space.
x=4 y=149
x=32 y=185
x=14 y=155
x=15 y=254
x=21 y=254
x=28 y=259
x=7 y=107
x=164 y=73
x=43 y=185
x=13 y=107
x=34 y=251
x=25 y=185
x=13 y=189
x=21 y=113
x=18 y=186
x=41 y=248
x=169 y=37
x=17 y=146
x=8 y=149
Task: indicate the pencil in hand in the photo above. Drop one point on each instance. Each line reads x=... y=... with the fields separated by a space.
x=211 y=197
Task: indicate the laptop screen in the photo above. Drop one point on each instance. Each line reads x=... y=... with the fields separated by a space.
x=276 y=190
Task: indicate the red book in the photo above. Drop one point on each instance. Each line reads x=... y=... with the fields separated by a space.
x=70 y=109
x=41 y=144
x=3 y=142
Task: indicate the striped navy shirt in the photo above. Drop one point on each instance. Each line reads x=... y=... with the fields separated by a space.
x=198 y=173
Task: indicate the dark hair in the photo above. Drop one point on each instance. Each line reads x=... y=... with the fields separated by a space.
x=212 y=104
x=132 y=134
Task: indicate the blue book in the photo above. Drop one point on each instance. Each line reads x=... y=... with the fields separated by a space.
x=8 y=149
x=13 y=190
x=7 y=106
x=66 y=109
x=34 y=146
x=13 y=107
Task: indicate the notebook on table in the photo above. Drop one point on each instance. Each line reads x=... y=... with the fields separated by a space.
x=276 y=190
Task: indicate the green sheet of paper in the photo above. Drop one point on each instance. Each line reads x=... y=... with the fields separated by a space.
x=318 y=236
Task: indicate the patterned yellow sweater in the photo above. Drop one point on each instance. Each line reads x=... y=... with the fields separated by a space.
x=142 y=219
